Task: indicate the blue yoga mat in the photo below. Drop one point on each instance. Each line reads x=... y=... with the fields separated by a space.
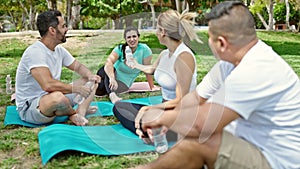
x=104 y=109
x=12 y=117
x=100 y=140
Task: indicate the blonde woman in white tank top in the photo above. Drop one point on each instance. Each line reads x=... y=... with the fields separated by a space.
x=174 y=70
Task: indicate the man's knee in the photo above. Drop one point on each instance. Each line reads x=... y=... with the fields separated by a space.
x=190 y=146
x=54 y=99
x=186 y=153
x=199 y=153
x=59 y=97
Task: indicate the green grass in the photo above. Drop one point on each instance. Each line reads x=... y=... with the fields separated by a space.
x=19 y=145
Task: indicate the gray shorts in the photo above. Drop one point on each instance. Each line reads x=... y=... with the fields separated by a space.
x=30 y=111
x=236 y=153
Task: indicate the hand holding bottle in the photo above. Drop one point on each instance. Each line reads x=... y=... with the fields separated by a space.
x=129 y=56
x=160 y=140
x=133 y=63
x=86 y=90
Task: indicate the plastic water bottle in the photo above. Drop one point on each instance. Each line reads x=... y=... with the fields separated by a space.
x=78 y=98
x=128 y=55
x=8 y=84
x=160 y=140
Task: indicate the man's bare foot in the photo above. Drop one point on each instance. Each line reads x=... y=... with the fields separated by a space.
x=78 y=120
x=114 y=98
x=92 y=110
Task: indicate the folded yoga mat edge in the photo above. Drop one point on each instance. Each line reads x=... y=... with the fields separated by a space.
x=90 y=139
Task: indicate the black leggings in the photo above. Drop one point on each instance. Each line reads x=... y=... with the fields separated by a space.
x=126 y=112
x=103 y=86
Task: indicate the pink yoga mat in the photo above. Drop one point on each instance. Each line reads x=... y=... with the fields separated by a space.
x=142 y=87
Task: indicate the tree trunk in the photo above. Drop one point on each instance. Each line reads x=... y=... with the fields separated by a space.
x=113 y=25
x=25 y=13
x=173 y=3
x=24 y=25
x=153 y=13
x=178 y=5
x=108 y=23
x=193 y=5
x=287 y=16
x=184 y=5
x=149 y=2
x=69 y=12
x=116 y=24
x=128 y=21
x=30 y=14
x=75 y=16
x=52 y=4
x=270 y=9
x=31 y=17
x=262 y=20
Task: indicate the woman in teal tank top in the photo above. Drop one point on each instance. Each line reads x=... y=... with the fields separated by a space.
x=116 y=75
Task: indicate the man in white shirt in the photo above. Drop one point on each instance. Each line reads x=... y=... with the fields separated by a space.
x=246 y=111
x=40 y=95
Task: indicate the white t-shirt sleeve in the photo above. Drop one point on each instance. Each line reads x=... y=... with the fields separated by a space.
x=214 y=79
x=31 y=55
x=239 y=98
x=245 y=90
x=68 y=59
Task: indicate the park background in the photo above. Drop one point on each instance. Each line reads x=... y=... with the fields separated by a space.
x=90 y=40
x=20 y=15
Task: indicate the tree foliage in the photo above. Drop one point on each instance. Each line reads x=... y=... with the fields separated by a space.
x=109 y=8
x=22 y=12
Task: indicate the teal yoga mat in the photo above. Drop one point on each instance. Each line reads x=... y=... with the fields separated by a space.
x=99 y=140
x=104 y=109
x=12 y=117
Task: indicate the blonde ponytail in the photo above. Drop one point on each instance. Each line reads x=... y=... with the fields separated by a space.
x=178 y=26
x=187 y=22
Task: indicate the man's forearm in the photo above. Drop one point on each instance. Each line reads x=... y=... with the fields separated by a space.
x=183 y=119
x=56 y=85
x=83 y=71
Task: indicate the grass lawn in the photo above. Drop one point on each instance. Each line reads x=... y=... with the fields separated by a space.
x=19 y=146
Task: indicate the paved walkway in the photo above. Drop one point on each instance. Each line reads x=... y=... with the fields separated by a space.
x=70 y=33
x=79 y=32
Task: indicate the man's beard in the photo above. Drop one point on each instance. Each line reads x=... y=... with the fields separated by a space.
x=63 y=38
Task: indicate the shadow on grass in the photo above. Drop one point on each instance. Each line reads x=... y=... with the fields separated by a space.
x=13 y=53
x=285 y=48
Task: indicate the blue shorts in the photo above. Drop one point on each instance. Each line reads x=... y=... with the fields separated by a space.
x=31 y=113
